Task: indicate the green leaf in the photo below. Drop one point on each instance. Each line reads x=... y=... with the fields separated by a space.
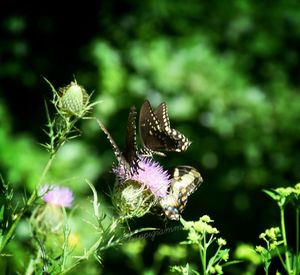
x=273 y=194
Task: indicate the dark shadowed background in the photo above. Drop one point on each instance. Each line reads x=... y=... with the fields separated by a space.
x=228 y=71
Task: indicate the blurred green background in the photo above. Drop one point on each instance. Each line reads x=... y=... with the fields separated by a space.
x=228 y=70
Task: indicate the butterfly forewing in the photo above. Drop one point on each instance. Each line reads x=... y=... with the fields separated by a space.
x=129 y=159
x=162 y=116
x=156 y=133
x=181 y=143
x=184 y=182
x=150 y=131
x=173 y=138
x=131 y=150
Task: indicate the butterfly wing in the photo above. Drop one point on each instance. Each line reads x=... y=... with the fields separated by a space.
x=131 y=150
x=156 y=133
x=129 y=159
x=162 y=116
x=185 y=181
x=151 y=133
x=180 y=142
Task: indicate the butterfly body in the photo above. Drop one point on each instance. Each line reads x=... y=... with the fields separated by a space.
x=185 y=180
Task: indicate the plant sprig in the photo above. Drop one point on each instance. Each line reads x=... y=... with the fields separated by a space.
x=276 y=238
x=71 y=104
x=202 y=234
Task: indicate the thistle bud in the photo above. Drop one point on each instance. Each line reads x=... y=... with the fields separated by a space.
x=73 y=99
x=133 y=199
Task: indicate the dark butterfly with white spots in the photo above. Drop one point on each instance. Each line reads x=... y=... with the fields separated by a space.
x=185 y=181
x=129 y=158
x=156 y=133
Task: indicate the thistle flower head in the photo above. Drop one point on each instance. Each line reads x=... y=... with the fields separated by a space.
x=140 y=190
x=50 y=216
x=150 y=175
x=56 y=195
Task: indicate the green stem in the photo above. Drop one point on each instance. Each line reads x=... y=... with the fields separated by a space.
x=86 y=255
x=283 y=231
x=29 y=202
x=204 y=254
x=66 y=238
x=297 y=240
x=266 y=268
x=94 y=247
x=213 y=259
x=45 y=171
x=279 y=256
x=30 y=267
x=266 y=260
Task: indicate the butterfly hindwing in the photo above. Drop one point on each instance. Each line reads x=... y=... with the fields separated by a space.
x=156 y=133
x=185 y=180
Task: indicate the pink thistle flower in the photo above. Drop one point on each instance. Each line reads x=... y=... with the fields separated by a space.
x=149 y=174
x=56 y=195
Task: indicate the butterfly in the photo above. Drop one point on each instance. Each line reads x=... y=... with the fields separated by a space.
x=128 y=159
x=156 y=133
x=185 y=181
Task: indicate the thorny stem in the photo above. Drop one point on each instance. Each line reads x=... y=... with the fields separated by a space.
x=94 y=247
x=86 y=255
x=106 y=236
x=109 y=230
x=31 y=266
x=63 y=137
x=29 y=202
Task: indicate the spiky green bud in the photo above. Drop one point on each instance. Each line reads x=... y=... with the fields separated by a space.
x=133 y=199
x=73 y=99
